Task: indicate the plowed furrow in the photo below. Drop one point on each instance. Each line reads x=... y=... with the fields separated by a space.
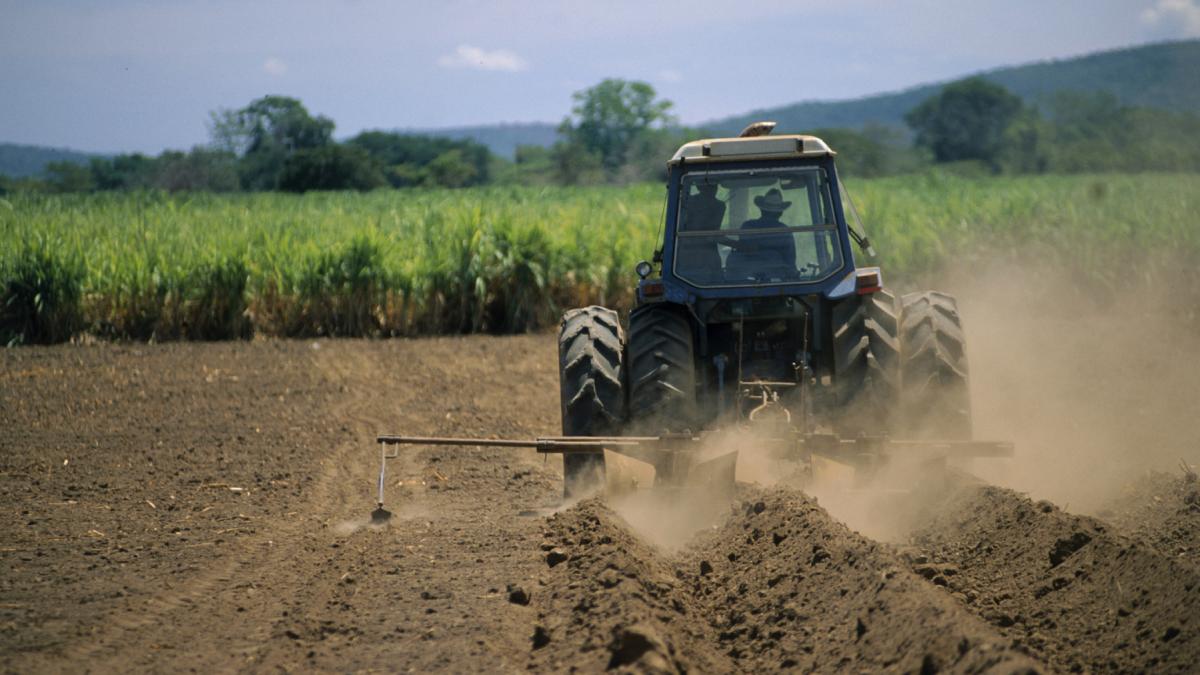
x=1069 y=588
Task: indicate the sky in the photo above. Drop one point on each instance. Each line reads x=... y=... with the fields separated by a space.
x=137 y=75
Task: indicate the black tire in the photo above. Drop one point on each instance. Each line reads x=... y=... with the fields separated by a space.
x=662 y=371
x=866 y=349
x=590 y=349
x=936 y=396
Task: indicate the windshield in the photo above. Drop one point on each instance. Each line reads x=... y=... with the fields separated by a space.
x=756 y=226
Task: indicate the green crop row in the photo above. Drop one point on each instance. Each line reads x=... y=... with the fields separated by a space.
x=152 y=266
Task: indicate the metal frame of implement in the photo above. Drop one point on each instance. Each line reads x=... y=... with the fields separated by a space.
x=674 y=456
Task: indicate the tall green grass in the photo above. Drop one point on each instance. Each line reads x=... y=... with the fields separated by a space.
x=152 y=266
x=39 y=293
x=1106 y=231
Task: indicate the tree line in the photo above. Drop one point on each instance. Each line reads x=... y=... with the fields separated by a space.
x=621 y=132
x=977 y=123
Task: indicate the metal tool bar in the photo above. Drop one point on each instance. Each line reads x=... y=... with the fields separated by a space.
x=433 y=440
x=961 y=448
x=552 y=444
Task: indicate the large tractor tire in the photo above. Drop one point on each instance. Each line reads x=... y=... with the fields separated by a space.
x=590 y=348
x=662 y=371
x=936 y=390
x=866 y=349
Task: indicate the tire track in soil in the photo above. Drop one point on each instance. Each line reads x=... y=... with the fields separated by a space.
x=153 y=627
x=313 y=557
x=426 y=591
x=1069 y=588
x=243 y=592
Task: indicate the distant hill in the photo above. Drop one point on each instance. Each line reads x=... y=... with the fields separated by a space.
x=502 y=139
x=22 y=161
x=1161 y=75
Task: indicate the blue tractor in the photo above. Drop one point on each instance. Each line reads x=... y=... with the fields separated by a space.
x=754 y=317
x=754 y=307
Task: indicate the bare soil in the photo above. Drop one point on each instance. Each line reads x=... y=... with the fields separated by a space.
x=1071 y=589
x=205 y=507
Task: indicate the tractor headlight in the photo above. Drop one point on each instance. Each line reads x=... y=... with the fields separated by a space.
x=643 y=269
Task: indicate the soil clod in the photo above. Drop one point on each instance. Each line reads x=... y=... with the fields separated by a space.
x=518 y=595
x=1063 y=548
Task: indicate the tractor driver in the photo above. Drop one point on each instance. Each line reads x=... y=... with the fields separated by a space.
x=768 y=254
x=699 y=258
x=705 y=210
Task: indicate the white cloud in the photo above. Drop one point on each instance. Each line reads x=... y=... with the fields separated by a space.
x=467 y=56
x=669 y=75
x=1173 y=18
x=275 y=67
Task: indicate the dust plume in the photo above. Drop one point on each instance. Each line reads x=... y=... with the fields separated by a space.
x=670 y=516
x=1094 y=389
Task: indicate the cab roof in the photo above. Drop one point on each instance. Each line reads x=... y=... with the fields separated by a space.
x=794 y=146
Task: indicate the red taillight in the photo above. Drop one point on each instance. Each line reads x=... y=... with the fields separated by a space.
x=868 y=280
x=652 y=289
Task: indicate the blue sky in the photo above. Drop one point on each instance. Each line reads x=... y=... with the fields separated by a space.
x=135 y=75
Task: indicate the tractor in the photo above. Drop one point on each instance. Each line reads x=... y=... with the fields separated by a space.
x=754 y=303
x=753 y=315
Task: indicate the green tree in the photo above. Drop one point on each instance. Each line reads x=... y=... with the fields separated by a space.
x=1094 y=131
x=608 y=118
x=967 y=120
x=1025 y=144
x=408 y=158
x=265 y=134
x=574 y=164
x=200 y=169
x=450 y=169
x=69 y=177
x=122 y=172
x=332 y=167
x=531 y=165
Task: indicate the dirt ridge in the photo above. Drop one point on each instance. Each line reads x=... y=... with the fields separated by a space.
x=1071 y=589
x=780 y=585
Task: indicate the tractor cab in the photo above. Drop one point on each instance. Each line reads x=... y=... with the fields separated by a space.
x=752 y=217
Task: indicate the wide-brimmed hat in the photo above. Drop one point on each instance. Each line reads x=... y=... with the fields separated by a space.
x=772 y=201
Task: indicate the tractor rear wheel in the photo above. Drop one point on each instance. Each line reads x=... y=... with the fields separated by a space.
x=866 y=350
x=662 y=371
x=936 y=393
x=590 y=350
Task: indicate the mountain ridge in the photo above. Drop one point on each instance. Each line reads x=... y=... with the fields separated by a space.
x=1158 y=75
x=1154 y=75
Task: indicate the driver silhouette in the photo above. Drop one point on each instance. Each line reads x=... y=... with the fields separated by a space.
x=765 y=253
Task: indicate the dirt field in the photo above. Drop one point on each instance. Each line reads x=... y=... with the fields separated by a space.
x=204 y=507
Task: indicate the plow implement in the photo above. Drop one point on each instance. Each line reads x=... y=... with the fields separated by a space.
x=708 y=460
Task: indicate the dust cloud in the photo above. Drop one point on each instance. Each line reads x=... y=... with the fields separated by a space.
x=669 y=516
x=1094 y=390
